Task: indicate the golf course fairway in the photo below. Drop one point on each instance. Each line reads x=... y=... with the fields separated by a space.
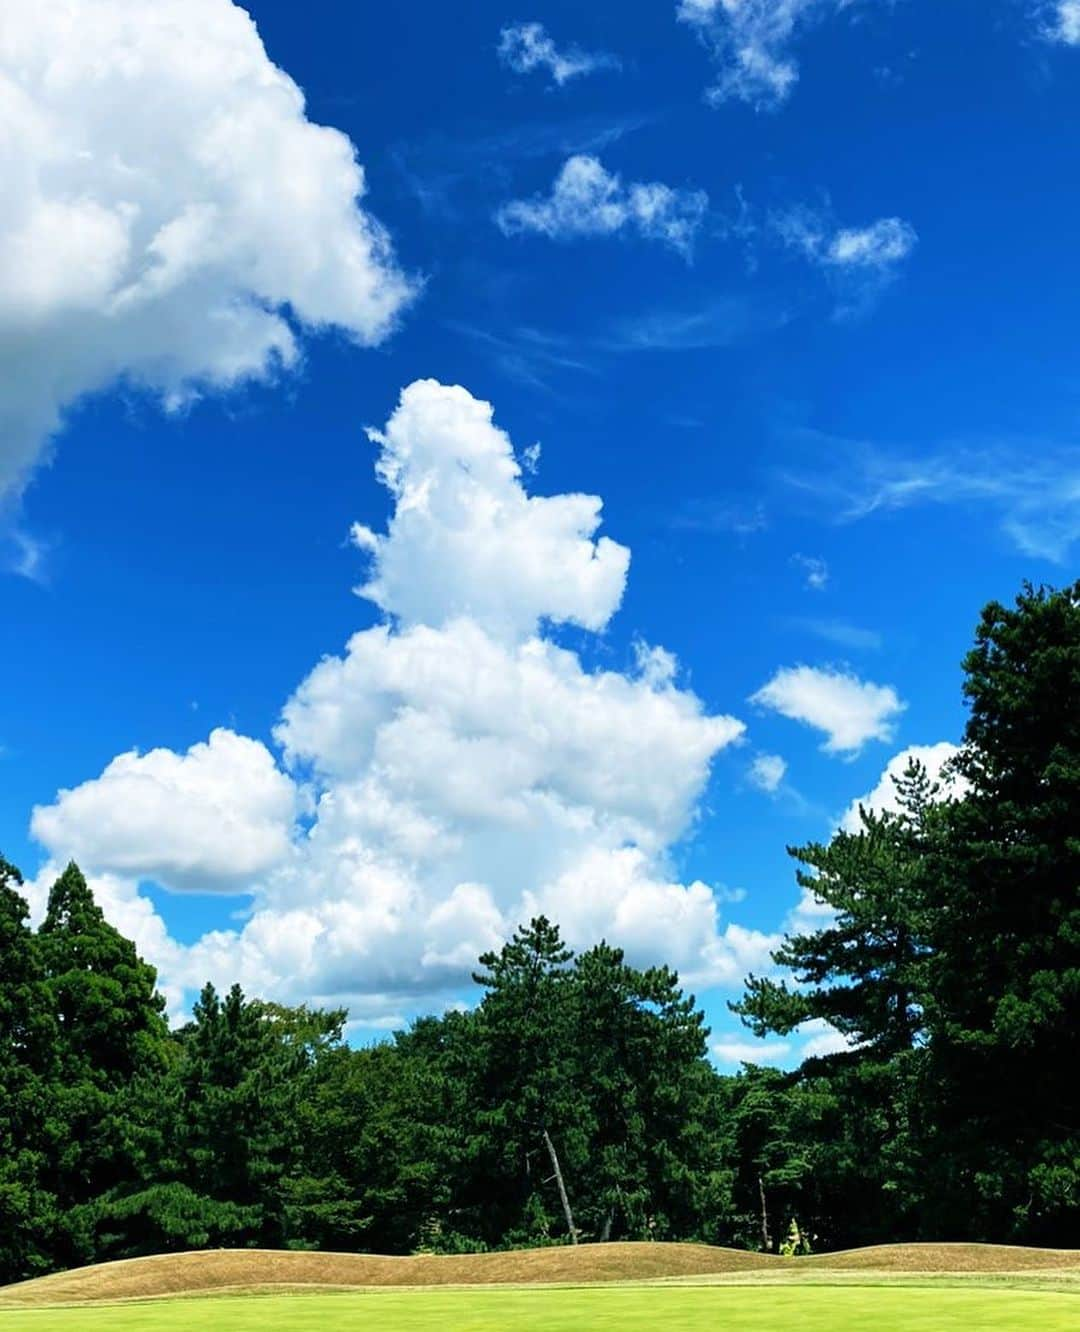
x=747 y=1309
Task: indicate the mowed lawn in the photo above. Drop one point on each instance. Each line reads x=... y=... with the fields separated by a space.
x=741 y=1309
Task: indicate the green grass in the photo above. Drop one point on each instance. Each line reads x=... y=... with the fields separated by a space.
x=629 y=1309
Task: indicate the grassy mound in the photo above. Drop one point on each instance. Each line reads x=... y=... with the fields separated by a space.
x=262 y=1269
x=955 y=1258
x=253 y=1269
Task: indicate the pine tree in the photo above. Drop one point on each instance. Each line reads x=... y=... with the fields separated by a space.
x=864 y=970
x=1005 y=1010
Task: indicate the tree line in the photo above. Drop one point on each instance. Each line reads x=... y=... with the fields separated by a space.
x=576 y=1101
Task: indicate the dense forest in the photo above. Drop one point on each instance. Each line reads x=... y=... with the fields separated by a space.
x=576 y=1101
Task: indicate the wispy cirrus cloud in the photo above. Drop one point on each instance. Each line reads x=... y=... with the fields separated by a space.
x=1033 y=488
x=450 y=174
x=588 y=200
x=720 y=322
x=841 y=633
x=527 y=47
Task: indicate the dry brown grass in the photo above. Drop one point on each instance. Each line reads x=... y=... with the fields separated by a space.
x=974 y=1258
x=262 y=1269
x=223 y=1269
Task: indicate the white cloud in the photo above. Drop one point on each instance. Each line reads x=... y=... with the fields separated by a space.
x=751 y=40
x=734 y=1050
x=812 y=1040
x=767 y=772
x=820 y=1039
x=815 y=569
x=207 y=820
x=1031 y=486
x=883 y=799
x=848 y=710
x=466 y=770
x=172 y=219
x=883 y=243
x=874 y=249
x=1063 y=22
x=809 y=914
x=466 y=540
x=588 y=200
x=525 y=47
x=860 y=262
x=844 y=634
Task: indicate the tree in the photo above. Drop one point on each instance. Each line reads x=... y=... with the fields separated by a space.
x=1005 y=930
x=27 y=1035
x=240 y=1075
x=865 y=970
x=111 y=1047
x=524 y=1087
x=637 y=1047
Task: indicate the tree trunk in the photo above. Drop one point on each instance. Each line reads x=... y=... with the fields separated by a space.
x=764 y=1217
x=562 y=1187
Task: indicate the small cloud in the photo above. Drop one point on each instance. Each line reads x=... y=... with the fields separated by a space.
x=25 y=556
x=588 y=200
x=525 y=47
x=750 y=41
x=885 y=242
x=820 y=1040
x=843 y=634
x=530 y=459
x=1062 y=23
x=816 y=571
x=700 y=515
x=736 y=1051
x=767 y=772
x=861 y=261
x=848 y=710
x=720 y=323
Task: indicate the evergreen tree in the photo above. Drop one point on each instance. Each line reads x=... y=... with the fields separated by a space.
x=111 y=1048
x=27 y=1037
x=241 y=1074
x=1006 y=936
x=864 y=971
x=526 y=1101
x=636 y=1044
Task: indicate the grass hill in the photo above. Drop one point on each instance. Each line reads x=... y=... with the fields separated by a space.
x=261 y=1270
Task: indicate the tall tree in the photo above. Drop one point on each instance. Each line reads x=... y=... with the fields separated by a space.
x=637 y=1045
x=1005 y=1008
x=111 y=1046
x=27 y=1037
x=526 y=1097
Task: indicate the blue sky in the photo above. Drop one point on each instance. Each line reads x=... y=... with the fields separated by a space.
x=804 y=323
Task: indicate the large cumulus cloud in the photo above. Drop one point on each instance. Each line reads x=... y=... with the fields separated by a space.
x=171 y=217
x=465 y=770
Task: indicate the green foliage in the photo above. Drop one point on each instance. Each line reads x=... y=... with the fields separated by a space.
x=953 y=962
x=1005 y=1007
